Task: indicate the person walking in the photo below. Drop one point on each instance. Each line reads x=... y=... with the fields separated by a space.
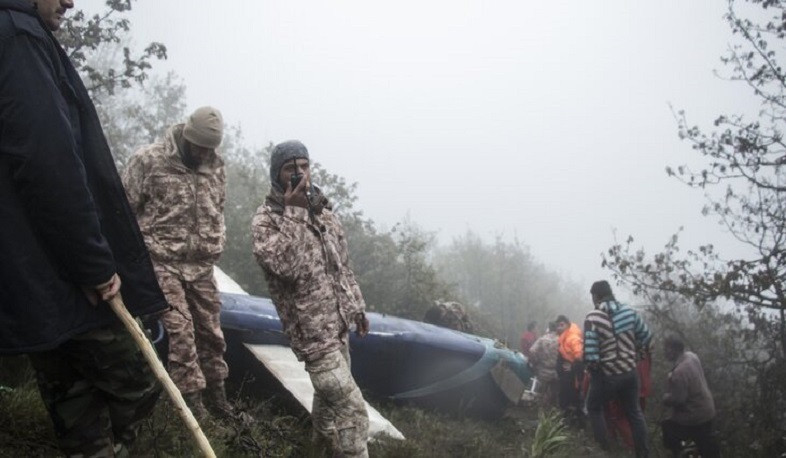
x=614 y=337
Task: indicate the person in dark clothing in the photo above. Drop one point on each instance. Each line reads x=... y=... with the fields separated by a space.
x=690 y=400
x=67 y=239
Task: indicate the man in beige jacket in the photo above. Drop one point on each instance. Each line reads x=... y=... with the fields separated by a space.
x=177 y=189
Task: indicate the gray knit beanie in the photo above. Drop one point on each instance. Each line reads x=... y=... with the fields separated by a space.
x=282 y=153
x=205 y=127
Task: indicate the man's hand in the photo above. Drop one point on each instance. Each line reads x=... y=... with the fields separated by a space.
x=297 y=196
x=105 y=291
x=362 y=325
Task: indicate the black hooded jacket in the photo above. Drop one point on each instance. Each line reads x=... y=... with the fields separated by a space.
x=64 y=217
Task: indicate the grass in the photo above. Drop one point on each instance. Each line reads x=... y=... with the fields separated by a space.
x=274 y=425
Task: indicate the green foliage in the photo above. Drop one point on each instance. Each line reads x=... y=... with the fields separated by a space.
x=263 y=431
x=135 y=109
x=732 y=311
x=24 y=424
x=507 y=286
x=247 y=186
x=84 y=36
x=393 y=267
x=272 y=425
x=140 y=116
x=551 y=435
x=432 y=434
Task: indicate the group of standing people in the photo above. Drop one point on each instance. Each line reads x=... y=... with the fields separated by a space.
x=604 y=371
x=76 y=235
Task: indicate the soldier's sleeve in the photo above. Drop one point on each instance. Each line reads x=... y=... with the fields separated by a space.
x=534 y=352
x=353 y=283
x=278 y=245
x=134 y=182
x=47 y=172
x=222 y=197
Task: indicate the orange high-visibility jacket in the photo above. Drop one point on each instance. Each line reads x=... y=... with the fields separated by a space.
x=571 y=345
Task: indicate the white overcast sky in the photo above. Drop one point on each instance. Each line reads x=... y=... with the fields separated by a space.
x=544 y=120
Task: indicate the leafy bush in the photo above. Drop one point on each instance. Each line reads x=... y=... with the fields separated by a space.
x=551 y=436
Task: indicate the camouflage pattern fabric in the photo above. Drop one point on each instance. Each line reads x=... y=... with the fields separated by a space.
x=339 y=413
x=449 y=314
x=196 y=342
x=97 y=388
x=306 y=266
x=543 y=357
x=180 y=210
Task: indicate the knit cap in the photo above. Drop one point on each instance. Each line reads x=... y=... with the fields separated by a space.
x=205 y=127
x=282 y=153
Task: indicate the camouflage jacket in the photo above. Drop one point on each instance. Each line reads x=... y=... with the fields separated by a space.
x=306 y=266
x=543 y=357
x=180 y=210
x=450 y=315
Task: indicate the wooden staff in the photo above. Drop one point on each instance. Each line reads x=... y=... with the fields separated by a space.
x=158 y=369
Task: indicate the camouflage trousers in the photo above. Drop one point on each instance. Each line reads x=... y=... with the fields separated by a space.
x=97 y=388
x=339 y=412
x=196 y=342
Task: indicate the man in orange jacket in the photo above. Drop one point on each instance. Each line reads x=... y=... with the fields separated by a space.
x=570 y=367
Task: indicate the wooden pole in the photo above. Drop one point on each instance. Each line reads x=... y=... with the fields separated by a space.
x=158 y=369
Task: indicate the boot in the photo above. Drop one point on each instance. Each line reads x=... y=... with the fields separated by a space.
x=194 y=402
x=216 y=399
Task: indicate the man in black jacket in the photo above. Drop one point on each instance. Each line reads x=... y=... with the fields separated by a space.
x=67 y=237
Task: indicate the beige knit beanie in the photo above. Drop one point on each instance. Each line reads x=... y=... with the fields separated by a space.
x=205 y=127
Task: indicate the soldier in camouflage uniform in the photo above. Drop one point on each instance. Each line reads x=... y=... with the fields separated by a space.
x=300 y=244
x=449 y=314
x=67 y=238
x=177 y=189
x=543 y=358
x=84 y=425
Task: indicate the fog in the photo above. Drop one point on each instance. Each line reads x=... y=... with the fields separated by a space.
x=545 y=121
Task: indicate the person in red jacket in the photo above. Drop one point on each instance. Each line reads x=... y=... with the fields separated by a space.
x=570 y=367
x=528 y=338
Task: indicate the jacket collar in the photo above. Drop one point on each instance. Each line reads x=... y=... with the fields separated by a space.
x=609 y=306
x=18 y=5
